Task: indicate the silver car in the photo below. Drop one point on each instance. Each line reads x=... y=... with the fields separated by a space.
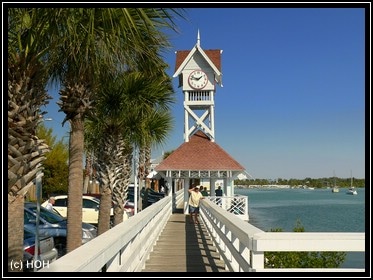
x=54 y=225
x=47 y=253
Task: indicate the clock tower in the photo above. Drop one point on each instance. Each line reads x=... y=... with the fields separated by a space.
x=199 y=72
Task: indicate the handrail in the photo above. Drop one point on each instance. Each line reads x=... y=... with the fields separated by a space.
x=177 y=198
x=242 y=245
x=237 y=204
x=122 y=248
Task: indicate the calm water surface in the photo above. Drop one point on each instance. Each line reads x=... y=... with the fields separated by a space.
x=318 y=210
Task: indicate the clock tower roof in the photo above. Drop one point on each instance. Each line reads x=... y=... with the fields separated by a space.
x=212 y=57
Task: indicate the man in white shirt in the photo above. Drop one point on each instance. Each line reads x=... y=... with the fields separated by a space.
x=50 y=204
x=194 y=199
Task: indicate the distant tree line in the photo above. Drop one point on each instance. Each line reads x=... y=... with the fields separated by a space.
x=309 y=182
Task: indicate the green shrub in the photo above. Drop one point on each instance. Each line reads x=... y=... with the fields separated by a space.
x=303 y=259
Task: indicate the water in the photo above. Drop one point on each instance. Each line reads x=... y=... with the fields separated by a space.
x=318 y=210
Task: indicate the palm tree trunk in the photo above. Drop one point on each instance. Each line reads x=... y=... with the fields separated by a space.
x=105 y=206
x=120 y=191
x=148 y=152
x=87 y=173
x=26 y=152
x=110 y=165
x=75 y=190
x=15 y=237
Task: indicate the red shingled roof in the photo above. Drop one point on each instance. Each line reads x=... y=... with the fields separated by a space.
x=199 y=154
x=213 y=55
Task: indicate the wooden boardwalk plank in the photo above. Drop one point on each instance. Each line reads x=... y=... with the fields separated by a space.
x=184 y=247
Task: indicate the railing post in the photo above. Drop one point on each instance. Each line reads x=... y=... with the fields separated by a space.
x=257 y=260
x=245 y=253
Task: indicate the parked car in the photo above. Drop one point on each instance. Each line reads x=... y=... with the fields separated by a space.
x=90 y=210
x=54 y=225
x=47 y=253
x=129 y=207
x=153 y=196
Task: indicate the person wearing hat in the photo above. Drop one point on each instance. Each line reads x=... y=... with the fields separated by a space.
x=50 y=204
x=194 y=199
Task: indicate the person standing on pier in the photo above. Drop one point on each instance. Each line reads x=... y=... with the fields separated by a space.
x=204 y=191
x=219 y=192
x=194 y=200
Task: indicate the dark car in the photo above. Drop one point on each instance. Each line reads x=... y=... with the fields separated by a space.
x=153 y=196
x=54 y=225
x=47 y=253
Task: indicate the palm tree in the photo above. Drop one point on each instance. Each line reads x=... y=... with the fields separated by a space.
x=155 y=126
x=75 y=41
x=27 y=78
x=105 y=136
x=158 y=125
x=114 y=126
x=96 y=39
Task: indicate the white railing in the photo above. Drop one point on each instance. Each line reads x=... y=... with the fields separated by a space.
x=199 y=96
x=125 y=247
x=242 y=245
x=177 y=199
x=237 y=204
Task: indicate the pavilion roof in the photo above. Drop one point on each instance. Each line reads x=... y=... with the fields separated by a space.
x=200 y=153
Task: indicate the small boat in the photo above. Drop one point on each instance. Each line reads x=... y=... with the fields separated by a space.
x=335 y=189
x=352 y=190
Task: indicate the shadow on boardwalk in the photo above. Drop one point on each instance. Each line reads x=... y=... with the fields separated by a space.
x=184 y=247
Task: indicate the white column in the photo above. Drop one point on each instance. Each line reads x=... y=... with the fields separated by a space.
x=212 y=115
x=230 y=187
x=186 y=195
x=186 y=118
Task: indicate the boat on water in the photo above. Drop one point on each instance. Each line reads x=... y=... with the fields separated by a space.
x=335 y=189
x=352 y=190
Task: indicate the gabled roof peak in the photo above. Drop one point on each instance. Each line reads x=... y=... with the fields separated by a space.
x=212 y=57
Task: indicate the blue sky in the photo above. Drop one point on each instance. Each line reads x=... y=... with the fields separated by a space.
x=292 y=103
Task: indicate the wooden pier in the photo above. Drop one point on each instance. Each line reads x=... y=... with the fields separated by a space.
x=184 y=247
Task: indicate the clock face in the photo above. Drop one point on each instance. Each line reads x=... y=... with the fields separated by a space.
x=198 y=79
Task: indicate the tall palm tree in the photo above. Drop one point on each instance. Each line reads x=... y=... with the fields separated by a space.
x=96 y=39
x=150 y=119
x=105 y=135
x=75 y=41
x=27 y=79
x=113 y=127
x=156 y=128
